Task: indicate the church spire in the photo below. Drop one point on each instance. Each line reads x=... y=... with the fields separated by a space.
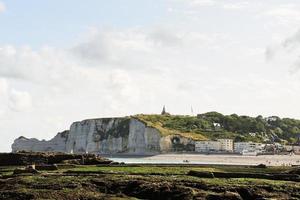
x=163 y=112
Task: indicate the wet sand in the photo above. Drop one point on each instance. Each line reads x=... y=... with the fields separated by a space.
x=269 y=160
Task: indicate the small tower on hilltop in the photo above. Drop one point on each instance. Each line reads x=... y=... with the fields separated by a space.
x=164 y=112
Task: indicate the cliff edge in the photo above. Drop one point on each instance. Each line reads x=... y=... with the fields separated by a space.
x=128 y=135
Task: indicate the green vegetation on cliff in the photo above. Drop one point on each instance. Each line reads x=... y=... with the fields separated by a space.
x=164 y=124
x=213 y=125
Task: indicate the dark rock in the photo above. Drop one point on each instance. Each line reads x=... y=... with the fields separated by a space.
x=224 y=196
x=262 y=166
x=96 y=161
x=287 y=177
x=283 y=176
x=72 y=162
x=145 y=190
x=115 y=163
x=201 y=174
x=16 y=195
x=248 y=193
x=25 y=171
x=46 y=167
x=295 y=171
x=38 y=158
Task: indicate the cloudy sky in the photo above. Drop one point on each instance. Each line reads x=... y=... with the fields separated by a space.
x=68 y=60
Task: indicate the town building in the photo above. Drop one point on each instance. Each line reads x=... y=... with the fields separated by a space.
x=296 y=149
x=226 y=145
x=214 y=146
x=217 y=126
x=292 y=148
x=240 y=147
x=288 y=147
x=207 y=146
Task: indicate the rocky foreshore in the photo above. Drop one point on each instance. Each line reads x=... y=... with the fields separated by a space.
x=43 y=158
x=149 y=182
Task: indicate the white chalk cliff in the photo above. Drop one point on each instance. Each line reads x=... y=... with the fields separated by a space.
x=57 y=144
x=108 y=136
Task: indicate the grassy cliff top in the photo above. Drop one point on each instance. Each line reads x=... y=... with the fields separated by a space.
x=213 y=125
x=164 y=124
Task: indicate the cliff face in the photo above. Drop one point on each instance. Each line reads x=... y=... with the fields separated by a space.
x=57 y=144
x=108 y=136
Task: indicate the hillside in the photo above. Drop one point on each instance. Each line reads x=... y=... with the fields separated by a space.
x=240 y=128
x=152 y=134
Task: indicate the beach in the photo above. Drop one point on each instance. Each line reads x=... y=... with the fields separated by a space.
x=224 y=159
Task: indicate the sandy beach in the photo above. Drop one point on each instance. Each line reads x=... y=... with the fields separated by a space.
x=269 y=160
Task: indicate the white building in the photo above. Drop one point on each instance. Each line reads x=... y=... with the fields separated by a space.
x=294 y=148
x=240 y=147
x=226 y=144
x=214 y=146
x=288 y=147
x=207 y=146
x=217 y=125
x=272 y=118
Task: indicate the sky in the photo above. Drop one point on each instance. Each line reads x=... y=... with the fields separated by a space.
x=67 y=60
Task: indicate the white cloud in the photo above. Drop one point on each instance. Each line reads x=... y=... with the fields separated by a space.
x=236 y=5
x=269 y=53
x=109 y=47
x=289 y=50
x=20 y=100
x=164 y=37
x=47 y=66
x=3 y=96
x=196 y=3
x=116 y=69
x=213 y=61
x=12 y=99
x=122 y=87
x=2 y=7
x=292 y=41
x=285 y=13
x=3 y=87
x=225 y=4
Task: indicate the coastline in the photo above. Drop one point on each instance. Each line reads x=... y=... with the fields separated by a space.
x=211 y=159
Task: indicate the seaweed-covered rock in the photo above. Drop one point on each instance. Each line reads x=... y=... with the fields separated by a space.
x=146 y=190
x=38 y=158
x=25 y=171
x=51 y=167
x=247 y=193
x=201 y=174
x=224 y=196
